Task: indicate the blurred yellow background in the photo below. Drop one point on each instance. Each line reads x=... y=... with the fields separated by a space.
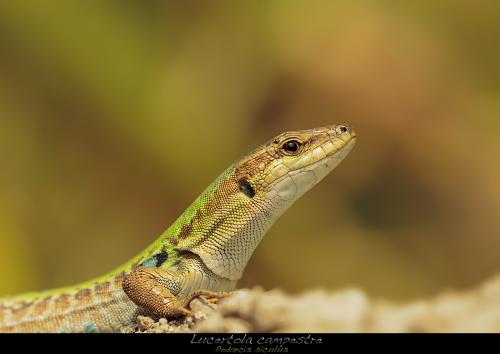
x=115 y=115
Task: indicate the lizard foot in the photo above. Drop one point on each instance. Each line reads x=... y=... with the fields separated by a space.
x=146 y=288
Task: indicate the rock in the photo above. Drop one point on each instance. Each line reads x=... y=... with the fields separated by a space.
x=348 y=310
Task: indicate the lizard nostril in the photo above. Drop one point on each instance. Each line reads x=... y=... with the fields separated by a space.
x=343 y=129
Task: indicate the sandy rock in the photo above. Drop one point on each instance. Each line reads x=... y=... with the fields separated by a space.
x=348 y=310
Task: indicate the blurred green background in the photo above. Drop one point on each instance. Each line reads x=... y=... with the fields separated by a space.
x=115 y=115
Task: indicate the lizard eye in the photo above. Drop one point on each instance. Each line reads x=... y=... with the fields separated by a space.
x=291 y=147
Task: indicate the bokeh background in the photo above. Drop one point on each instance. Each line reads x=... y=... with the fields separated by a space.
x=115 y=115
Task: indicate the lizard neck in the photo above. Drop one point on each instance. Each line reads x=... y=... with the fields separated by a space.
x=223 y=226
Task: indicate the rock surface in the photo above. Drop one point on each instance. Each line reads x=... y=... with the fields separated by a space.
x=349 y=310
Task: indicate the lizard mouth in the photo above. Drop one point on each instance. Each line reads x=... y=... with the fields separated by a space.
x=317 y=170
x=340 y=153
x=333 y=157
x=323 y=166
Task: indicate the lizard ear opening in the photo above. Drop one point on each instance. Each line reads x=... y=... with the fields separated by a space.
x=246 y=188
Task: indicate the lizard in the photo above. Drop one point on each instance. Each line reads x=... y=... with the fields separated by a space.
x=203 y=253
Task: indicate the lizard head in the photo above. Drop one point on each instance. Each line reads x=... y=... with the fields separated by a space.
x=289 y=165
x=234 y=213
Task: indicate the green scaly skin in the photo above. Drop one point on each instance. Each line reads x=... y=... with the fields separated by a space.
x=203 y=253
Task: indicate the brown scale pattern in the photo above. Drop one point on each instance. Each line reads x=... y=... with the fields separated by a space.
x=186 y=230
x=62 y=303
x=77 y=309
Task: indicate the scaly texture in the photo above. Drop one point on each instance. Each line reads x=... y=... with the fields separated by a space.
x=203 y=253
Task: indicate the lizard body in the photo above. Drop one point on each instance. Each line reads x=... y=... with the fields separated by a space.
x=204 y=252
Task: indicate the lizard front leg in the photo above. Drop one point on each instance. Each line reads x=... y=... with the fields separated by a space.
x=149 y=288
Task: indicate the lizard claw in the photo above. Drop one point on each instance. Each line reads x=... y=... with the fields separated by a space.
x=213 y=300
